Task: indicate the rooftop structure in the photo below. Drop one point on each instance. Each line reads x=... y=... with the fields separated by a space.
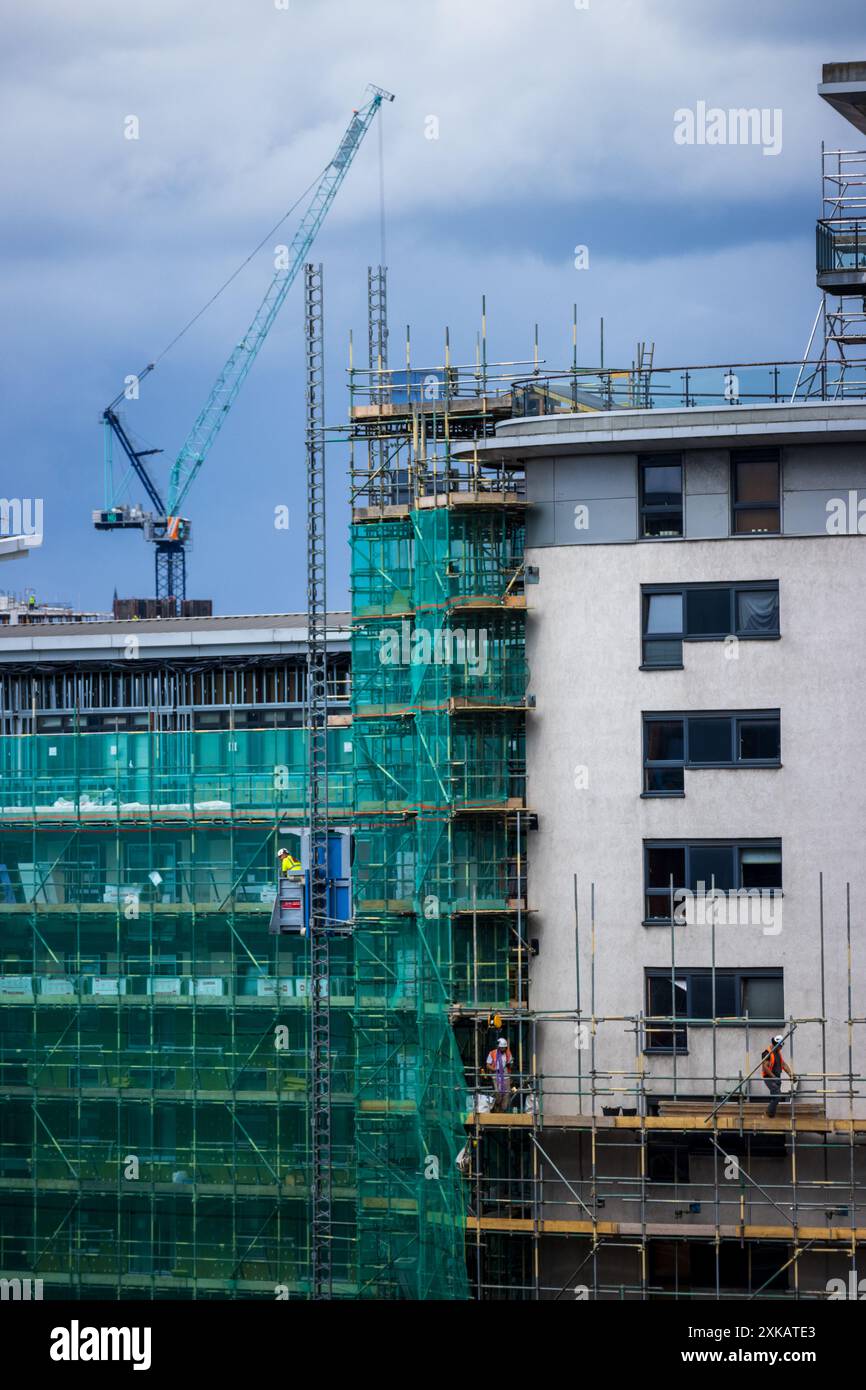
x=26 y=610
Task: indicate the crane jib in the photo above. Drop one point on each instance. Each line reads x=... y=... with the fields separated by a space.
x=210 y=419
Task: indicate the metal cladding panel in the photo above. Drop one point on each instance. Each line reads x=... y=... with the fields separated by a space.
x=598 y=521
x=707 y=515
x=587 y=477
x=808 y=513
x=582 y=500
x=539 y=480
x=539 y=524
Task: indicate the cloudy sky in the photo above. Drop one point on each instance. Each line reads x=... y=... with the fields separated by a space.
x=555 y=129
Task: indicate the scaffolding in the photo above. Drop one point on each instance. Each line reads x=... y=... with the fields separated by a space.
x=438 y=698
x=597 y=1179
x=154 y=1036
x=653 y=1180
x=841 y=272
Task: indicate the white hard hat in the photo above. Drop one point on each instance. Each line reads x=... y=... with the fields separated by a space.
x=777 y=1037
x=502 y=1042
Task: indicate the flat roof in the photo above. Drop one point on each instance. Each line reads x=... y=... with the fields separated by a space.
x=16 y=547
x=244 y=634
x=622 y=431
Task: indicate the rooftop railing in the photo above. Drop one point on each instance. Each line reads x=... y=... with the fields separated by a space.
x=548 y=392
x=723 y=385
x=840 y=244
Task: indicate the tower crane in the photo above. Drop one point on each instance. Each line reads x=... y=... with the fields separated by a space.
x=165 y=525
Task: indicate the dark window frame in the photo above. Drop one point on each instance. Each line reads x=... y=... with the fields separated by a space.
x=733 y=1268
x=740 y=974
x=733 y=588
x=736 y=719
x=647 y=510
x=668 y=1159
x=736 y=846
x=742 y=508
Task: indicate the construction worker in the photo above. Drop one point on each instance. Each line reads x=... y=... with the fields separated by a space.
x=499 y=1064
x=465 y=1157
x=772 y=1066
x=467 y=1167
x=287 y=862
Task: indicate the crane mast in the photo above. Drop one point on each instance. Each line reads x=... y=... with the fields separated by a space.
x=317 y=793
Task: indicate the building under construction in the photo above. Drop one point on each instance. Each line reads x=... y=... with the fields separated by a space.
x=594 y=734
x=588 y=838
x=600 y=622
x=154 y=1139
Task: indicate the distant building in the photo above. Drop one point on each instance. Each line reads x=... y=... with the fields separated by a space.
x=27 y=610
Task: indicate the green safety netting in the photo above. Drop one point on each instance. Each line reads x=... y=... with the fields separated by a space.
x=141 y=998
x=439 y=756
x=465 y=554
x=434 y=656
x=381 y=671
x=436 y=760
x=123 y=772
x=153 y=1038
x=410 y=1098
x=381 y=575
x=141 y=991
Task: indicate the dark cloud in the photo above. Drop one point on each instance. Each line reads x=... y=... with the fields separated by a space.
x=555 y=128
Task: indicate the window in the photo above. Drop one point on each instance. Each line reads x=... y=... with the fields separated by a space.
x=251 y=1079
x=665 y=873
x=673 y=742
x=708 y=612
x=85 y=965
x=152 y=1030
x=664 y=756
x=757 y=612
x=661 y=495
x=760 y=868
x=663 y=629
x=710 y=739
x=672 y=614
x=667 y=1160
x=666 y=1003
x=702 y=1004
x=755 y=492
x=699 y=996
x=701 y=865
x=758 y=740
x=761 y=996
x=696 y=1265
x=84 y=1076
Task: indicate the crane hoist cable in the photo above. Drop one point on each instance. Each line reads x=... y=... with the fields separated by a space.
x=224 y=286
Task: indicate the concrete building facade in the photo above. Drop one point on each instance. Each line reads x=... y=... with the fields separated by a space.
x=694 y=644
x=595 y=692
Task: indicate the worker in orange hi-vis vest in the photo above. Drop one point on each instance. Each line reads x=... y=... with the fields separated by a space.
x=499 y=1063
x=772 y=1066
